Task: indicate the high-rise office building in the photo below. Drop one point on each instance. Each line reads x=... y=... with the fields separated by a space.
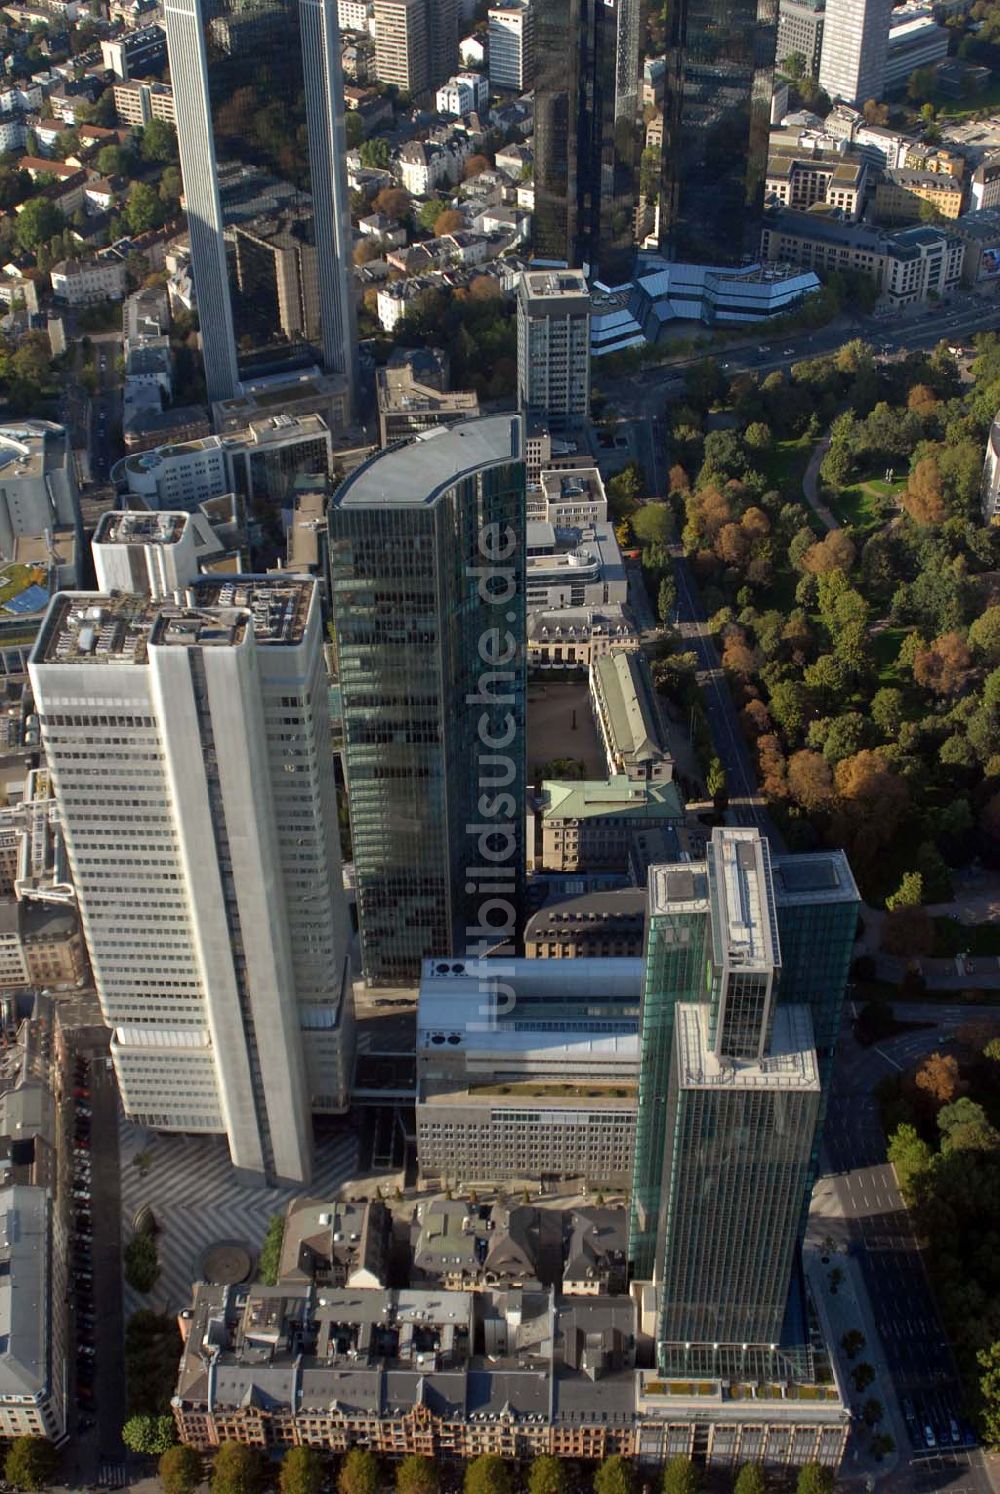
x=731 y=1087
x=511 y=44
x=716 y=117
x=427 y=566
x=800 y=29
x=588 y=133
x=553 y=344
x=189 y=748
x=855 y=44
x=260 y=124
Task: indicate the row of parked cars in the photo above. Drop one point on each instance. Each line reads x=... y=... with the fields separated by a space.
x=82 y=1266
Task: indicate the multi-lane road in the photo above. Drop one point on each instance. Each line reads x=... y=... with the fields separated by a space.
x=858 y=1198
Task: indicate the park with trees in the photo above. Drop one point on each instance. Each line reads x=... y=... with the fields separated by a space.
x=865 y=659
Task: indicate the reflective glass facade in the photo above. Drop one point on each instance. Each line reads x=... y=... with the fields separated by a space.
x=716 y=112
x=422 y=706
x=587 y=133
x=260 y=126
x=738 y=1165
x=675 y=971
x=740 y=965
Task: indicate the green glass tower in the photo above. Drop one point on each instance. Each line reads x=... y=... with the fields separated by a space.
x=731 y=1088
x=427 y=596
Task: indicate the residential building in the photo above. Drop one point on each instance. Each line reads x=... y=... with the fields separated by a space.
x=800 y=182
x=413 y=394
x=416 y=43
x=553 y=344
x=628 y=717
x=589 y=925
x=511 y=45
x=464 y=93
x=260 y=463
x=145 y=425
x=219 y=99
x=915 y=41
x=34 y=1367
x=85 y=282
x=907 y=267
x=353 y=15
x=422 y=538
x=135 y=52
x=539 y=1082
x=899 y=195
x=990 y=490
x=52 y=944
x=336 y=1244
x=138 y=100
x=38 y=489
x=277 y=269
x=574 y=637
x=855 y=44
x=588 y=825
x=800 y=29
x=588 y=134
x=220 y=951
x=510 y=1369
x=984 y=184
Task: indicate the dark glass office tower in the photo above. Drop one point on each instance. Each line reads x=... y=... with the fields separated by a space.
x=259 y=97
x=427 y=593
x=587 y=133
x=731 y=1090
x=716 y=112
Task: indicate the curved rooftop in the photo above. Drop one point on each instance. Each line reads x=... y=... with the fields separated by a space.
x=416 y=471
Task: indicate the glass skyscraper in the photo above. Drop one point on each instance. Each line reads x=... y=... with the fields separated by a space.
x=716 y=115
x=260 y=126
x=588 y=133
x=731 y=1087
x=427 y=594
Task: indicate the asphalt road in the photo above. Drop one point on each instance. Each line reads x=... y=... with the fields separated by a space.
x=858 y=1191
x=642 y=394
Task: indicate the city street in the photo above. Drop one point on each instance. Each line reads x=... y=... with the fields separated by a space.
x=857 y=1205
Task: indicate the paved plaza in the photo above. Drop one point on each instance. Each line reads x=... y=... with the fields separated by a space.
x=188 y=1183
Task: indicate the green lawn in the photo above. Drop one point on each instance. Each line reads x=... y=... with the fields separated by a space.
x=952 y=937
x=979 y=103
x=785 y=464
x=885 y=646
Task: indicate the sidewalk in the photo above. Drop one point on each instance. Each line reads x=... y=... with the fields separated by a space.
x=810 y=488
x=840 y=1311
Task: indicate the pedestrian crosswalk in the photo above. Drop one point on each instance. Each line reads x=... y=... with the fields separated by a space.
x=112 y=1475
x=197 y=1201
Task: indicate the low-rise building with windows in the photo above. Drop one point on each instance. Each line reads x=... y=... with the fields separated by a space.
x=628 y=718
x=588 y=825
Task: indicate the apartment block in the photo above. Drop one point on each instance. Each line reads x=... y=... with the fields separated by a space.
x=511 y=45
x=553 y=344
x=574 y=637
x=188 y=744
x=801 y=182
x=800 y=29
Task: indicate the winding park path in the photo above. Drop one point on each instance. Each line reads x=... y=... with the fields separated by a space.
x=810 y=486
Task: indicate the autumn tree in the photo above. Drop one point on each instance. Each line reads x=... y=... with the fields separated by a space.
x=450 y=221
x=772 y=767
x=181 y=1469
x=417 y=1475
x=921 y=399
x=301 y=1471
x=943 y=667
x=237 y=1469
x=939 y=1077
x=475 y=165
x=923 y=499
x=810 y=779
x=909 y=893
x=872 y=801
x=394 y=203
x=359 y=1473
x=835 y=552
x=547 y=1475
x=614 y=1476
